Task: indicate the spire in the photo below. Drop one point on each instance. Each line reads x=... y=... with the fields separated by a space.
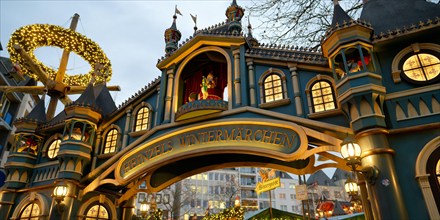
x=249 y=37
x=87 y=98
x=234 y=13
x=38 y=113
x=339 y=15
x=172 y=35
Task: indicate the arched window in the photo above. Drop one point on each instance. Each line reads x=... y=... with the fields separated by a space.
x=30 y=211
x=54 y=147
x=421 y=67
x=322 y=96
x=142 y=119
x=110 y=141
x=97 y=212
x=273 y=89
x=433 y=169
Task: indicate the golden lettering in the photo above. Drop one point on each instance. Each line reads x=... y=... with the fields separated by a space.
x=239 y=134
x=211 y=136
x=218 y=135
x=229 y=137
x=248 y=133
x=255 y=135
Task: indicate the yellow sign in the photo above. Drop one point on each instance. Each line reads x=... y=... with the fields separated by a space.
x=301 y=192
x=268 y=185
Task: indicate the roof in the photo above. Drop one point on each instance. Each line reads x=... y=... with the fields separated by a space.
x=320 y=178
x=38 y=113
x=276 y=213
x=339 y=15
x=341 y=175
x=385 y=15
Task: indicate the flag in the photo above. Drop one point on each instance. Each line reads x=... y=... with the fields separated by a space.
x=176 y=11
x=194 y=18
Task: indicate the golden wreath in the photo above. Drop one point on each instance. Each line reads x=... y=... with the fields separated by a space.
x=31 y=37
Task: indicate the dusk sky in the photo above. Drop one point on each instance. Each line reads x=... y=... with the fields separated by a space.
x=131 y=33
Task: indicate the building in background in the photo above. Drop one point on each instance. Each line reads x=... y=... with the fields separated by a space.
x=12 y=105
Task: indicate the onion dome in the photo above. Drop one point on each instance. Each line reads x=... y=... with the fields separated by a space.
x=234 y=13
x=172 y=37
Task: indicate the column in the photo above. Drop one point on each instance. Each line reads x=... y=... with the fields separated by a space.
x=156 y=122
x=128 y=209
x=296 y=91
x=237 y=85
x=384 y=191
x=366 y=206
x=97 y=146
x=127 y=126
x=252 y=93
x=169 y=96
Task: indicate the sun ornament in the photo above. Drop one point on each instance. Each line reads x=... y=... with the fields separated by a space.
x=31 y=37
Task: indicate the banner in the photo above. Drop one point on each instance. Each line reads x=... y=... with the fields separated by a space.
x=301 y=192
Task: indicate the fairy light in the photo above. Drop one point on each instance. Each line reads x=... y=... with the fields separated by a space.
x=31 y=37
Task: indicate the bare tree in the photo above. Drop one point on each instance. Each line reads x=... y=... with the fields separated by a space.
x=299 y=22
x=180 y=195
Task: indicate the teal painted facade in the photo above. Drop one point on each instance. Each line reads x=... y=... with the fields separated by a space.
x=395 y=119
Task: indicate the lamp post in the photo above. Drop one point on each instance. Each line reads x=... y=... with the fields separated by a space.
x=144 y=208
x=59 y=193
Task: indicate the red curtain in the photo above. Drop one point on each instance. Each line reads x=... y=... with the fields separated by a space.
x=193 y=81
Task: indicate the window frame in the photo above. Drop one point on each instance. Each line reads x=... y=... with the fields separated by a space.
x=135 y=114
x=32 y=204
x=275 y=103
x=399 y=59
x=308 y=91
x=117 y=141
x=413 y=53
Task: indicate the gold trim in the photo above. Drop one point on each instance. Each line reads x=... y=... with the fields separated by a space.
x=371 y=131
x=378 y=151
x=196 y=43
x=410 y=92
x=415 y=128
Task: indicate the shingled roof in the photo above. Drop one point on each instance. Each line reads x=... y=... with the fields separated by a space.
x=320 y=178
x=385 y=15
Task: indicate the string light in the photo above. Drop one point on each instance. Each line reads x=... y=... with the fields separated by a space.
x=31 y=37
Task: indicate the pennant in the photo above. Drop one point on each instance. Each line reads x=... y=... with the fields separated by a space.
x=194 y=18
x=176 y=11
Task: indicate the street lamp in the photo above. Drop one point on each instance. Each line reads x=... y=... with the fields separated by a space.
x=237 y=201
x=351 y=152
x=144 y=208
x=59 y=193
x=351 y=187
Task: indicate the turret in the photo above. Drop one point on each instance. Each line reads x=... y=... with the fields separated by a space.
x=27 y=145
x=234 y=13
x=82 y=117
x=172 y=37
x=348 y=47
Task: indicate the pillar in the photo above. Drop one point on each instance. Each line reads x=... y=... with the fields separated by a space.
x=296 y=90
x=384 y=191
x=237 y=80
x=252 y=93
x=127 y=213
x=127 y=127
x=366 y=206
x=168 y=97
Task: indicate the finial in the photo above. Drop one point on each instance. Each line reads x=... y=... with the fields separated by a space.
x=336 y=2
x=194 y=18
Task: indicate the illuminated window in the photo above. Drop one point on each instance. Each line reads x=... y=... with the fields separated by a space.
x=422 y=67
x=142 y=118
x=53 y=148
x=437 y=171
x=31 y=211
x=273 y=89
x=97 y=212
x=110 y=141
x=322 y=96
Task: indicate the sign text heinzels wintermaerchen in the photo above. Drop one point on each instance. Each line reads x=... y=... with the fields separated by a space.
x=249 y=136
